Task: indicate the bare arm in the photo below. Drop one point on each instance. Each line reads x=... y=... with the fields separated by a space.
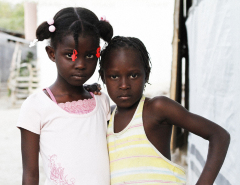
x=218 y=137
x=30 y=153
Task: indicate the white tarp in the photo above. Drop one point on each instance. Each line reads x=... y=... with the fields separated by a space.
x=213 y=28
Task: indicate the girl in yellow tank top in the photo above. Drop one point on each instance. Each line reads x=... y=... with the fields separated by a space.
x=140 y=128
x=135 y=159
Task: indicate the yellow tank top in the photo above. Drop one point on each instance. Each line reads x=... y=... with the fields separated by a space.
x=133 y=158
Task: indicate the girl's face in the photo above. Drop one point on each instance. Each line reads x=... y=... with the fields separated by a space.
x=124 y=77
x=76 y=72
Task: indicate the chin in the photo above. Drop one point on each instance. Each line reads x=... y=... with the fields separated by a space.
x=125 y=104
x=77 y=84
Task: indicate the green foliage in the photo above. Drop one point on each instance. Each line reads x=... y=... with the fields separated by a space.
x=12 y=17
x=24 y=70
x=29 y=57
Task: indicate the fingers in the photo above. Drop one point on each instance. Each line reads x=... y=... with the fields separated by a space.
x=97 y=93
x=99 y=87
x=94 y=88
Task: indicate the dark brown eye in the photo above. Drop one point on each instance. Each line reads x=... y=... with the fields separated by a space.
x=134 y=76
x=90 y=56
x=69 y=55
x=114 y=76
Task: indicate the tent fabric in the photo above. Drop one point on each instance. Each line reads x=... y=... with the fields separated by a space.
x=213 y=30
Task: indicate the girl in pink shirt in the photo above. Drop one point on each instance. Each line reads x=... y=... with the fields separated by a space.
x=66 y=123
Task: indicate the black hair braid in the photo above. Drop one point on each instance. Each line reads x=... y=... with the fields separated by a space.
x=106 y=30
x=127 y=42
x=75 y=21
x=43 y=32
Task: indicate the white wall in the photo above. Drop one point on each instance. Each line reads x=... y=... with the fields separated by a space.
x=213 y=37
x=151 y=21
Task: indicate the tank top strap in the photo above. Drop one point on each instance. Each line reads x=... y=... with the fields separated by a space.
x=140 y=106
x=51 y=94
x=137 y=117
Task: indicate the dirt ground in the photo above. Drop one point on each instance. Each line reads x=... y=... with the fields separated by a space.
x=10 y=145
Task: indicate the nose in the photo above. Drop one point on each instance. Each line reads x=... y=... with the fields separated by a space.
x=80 y=63
x=124 y=84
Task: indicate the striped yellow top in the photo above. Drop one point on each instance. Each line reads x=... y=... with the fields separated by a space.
x=133 y=158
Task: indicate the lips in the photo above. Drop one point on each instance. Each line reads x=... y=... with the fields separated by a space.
x=78 y=76
x=124 y=97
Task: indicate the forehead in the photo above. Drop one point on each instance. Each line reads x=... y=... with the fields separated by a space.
x=83 y=40
x=124 y=57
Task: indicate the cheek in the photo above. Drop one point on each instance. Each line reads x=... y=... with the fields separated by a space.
x=92 y=66
x=139 y=86
x=111 y=87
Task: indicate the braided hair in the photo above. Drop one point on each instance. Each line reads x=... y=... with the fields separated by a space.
x=127 y=42
x=76 y=21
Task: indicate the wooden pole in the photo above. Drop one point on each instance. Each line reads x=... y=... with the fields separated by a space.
x=175 y=45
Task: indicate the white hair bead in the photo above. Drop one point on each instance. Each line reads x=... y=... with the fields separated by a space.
x=50 y=21
x=52 y=28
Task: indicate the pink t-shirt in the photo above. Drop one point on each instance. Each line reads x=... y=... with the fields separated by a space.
x=73 y=147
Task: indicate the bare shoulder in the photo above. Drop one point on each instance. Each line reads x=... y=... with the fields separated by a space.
x=159 y=103
x=164 y=109
x=158 y=107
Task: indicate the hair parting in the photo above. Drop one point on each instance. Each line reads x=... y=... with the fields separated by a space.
x=75 y=21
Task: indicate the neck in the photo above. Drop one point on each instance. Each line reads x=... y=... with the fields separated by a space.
x=62 y=87
x=128 y=109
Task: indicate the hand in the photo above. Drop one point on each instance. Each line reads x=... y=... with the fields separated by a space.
x=94 y=88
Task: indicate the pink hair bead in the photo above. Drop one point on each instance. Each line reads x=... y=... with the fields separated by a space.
x=103 y=18
x=52 y=28
x=50 y=21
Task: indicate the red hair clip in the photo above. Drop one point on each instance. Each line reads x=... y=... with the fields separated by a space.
x=74 y=55
x=98 y=52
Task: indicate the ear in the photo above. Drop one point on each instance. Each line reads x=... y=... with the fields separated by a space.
x=51 y=53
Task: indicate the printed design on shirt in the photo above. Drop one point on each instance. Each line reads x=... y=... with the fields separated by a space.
x=57 y=173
